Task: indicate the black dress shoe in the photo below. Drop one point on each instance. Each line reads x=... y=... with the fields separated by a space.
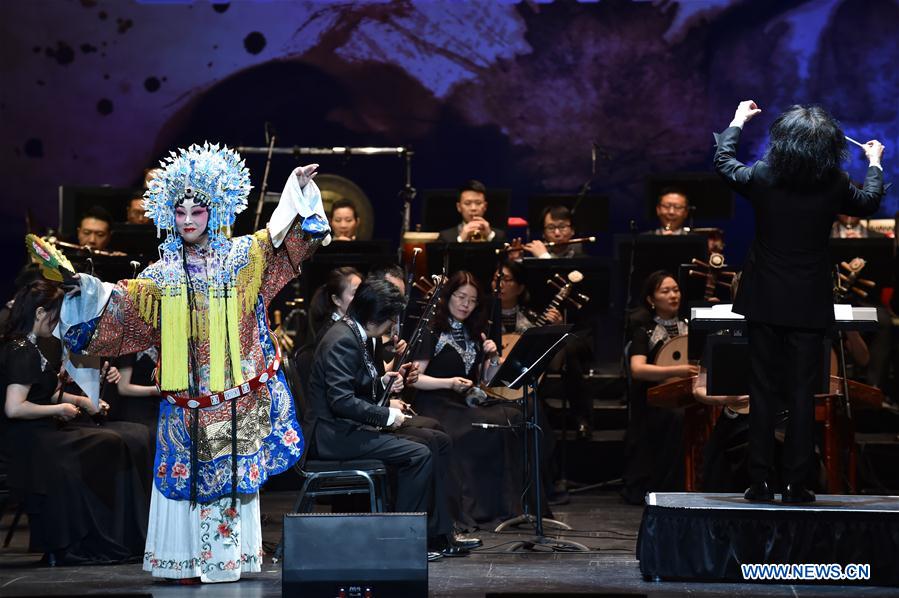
x=759 y=492
x=466 y=542
x=796 y=493
x=454 y=551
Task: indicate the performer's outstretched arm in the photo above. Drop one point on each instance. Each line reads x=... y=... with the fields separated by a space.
x=294 y=232
x=110 y=320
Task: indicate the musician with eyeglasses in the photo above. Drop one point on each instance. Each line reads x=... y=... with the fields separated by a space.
x=558 y=231
x=454 y=357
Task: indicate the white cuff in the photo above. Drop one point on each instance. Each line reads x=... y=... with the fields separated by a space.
x=295 y=201
x=545 y=256
x=876 y=166
x=392 y=417
x=737 y=123
x=85 y=306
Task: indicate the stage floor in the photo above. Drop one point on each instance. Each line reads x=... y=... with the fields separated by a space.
x=600 y=520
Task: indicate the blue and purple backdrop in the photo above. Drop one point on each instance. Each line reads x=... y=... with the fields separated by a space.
x=512 y=93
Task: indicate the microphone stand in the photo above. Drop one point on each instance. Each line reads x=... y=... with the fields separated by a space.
x=632 y=225
x=264 y=185
x=407 y=196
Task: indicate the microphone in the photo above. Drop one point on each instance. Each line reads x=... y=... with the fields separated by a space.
x=134 y=266
x=632 y=225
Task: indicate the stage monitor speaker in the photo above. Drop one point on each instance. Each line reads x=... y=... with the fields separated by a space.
x=355 y=555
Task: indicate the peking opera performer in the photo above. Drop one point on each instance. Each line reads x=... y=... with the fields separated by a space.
x=227 y=419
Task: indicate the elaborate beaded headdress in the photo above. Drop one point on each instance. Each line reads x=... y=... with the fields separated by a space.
x=213 y=176
x=217 y=178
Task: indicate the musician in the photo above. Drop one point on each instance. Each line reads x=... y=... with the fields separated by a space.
x=516 y=318
x=425 y=430
x=654 y=441
x=557 y=228
x=330 y=301
x=343 y=419
x=454 y=357
x=82 y=485
x=725 y=455
x=797 y=190
x=851 y=227
x=135 y=213
x=672 y=209
x=472 y=205
x=344 y=220
x=95 y=228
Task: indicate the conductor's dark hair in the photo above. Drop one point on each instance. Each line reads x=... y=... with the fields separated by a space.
x=672 y=189
x=652 y=284
x=472 y=185
x=556 y=212
x=476 y=321
x=375 y=302
x=343 y=203
x=97 y=213
x=806 y=147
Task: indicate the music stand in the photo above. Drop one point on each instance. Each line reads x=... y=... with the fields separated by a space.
x=522 y=368
x=478 y=258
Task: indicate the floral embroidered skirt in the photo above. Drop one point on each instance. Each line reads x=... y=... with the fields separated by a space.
x=211 y=541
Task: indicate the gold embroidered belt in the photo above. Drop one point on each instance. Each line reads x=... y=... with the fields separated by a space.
x=232 y=393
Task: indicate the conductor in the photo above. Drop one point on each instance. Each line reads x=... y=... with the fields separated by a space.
x=796 y=191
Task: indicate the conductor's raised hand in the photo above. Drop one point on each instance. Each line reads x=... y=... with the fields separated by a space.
x=874 y=151
x=305 y=174
x=745 y=112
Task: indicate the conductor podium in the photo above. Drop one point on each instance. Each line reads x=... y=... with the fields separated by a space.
x=709 y=536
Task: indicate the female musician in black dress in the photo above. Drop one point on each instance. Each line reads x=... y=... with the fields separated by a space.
x=654 y=443
x=454 y=357
x=82 y=486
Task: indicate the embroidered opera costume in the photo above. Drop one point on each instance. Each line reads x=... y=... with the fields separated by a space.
x=227 y=420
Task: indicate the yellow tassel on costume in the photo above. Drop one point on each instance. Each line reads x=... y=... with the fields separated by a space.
x=234 y=336
x=217 y=331
x=174 y=339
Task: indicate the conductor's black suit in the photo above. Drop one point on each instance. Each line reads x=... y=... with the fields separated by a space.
x=786 y=295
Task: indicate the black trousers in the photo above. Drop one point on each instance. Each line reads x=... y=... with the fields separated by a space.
x=787 y=368
x=428 y=432
x=412 y=460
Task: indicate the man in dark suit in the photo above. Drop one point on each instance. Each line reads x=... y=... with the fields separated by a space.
x=472 y=205
x=344 y=419
x=785 y=291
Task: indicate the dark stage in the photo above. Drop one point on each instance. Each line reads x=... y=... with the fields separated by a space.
x=600 y=520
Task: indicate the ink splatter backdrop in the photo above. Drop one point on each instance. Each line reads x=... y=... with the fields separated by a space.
x=94 y=91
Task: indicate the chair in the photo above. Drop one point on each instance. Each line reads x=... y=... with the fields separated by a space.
x=331 y=478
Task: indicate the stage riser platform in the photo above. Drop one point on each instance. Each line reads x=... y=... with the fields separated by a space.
x=706 y=537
